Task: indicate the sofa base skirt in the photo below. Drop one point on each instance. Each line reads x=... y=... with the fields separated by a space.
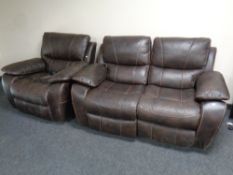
x=164 y=134
x=42 y=111
x=35 y=109
x=113 y=126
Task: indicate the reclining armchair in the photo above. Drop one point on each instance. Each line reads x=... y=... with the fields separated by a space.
x=169 y=93
x=41 y=86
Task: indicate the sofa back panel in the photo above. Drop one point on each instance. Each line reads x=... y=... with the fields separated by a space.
x=211 y=59
x=176 y=62
x=133 y=51
x=180 y=53
x=173 y=78
x=127 y=58
x=60 y=46
x=128 y=74
x=54 y=66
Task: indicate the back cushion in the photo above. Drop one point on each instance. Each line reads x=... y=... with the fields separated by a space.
x=59 y=49
x=176 y=62
x=127 y=58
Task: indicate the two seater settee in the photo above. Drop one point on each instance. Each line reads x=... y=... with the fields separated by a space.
x=167 y=92
x=41 y=86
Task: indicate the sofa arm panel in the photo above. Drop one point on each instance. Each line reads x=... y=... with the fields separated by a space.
x=212 y=115
x=67 y=73
x=92 y=75
x=90 y=53
x=33 y=65
x=211 y=86
x=58 y=97
x=78 y=95
x=7 y=81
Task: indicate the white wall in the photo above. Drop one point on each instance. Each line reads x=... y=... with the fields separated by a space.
x=22 y=23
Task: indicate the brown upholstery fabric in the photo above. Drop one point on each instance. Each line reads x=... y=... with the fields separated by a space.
x=79 y=94
x=63 y=50
x=42 y=86
x=70 y=47
x=54 y=66
x=112 y=105
x=117 y=100
x=211 y=59
x=170 y=107
x=114 y=126
x=159 y=98
x=35 y=109
x=180 y=53
x=31 y=89
x=212 y=115
x=7 y=81
x=67 y=73
x=211 y=86
x=176 y=62
x=127 y=74
x=25 y=67
x=90 y=53
x=164 y=134
x=127 y=58
x=88 y=76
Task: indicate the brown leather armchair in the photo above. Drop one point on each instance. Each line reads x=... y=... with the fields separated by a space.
x=41 y=86
x=169 y=94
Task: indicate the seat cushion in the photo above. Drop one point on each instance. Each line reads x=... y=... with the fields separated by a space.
x=31 y=88
x=114 y=100
x=171 y=107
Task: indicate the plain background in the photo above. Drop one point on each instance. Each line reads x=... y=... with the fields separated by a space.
x=23 y=22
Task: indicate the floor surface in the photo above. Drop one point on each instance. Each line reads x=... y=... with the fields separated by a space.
x=32 y=146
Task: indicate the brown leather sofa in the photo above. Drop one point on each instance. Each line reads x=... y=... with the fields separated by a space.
x=41 y=86
x=169 y=92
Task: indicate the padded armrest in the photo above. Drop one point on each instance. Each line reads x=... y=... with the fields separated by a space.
x=33 y=65
x=92 y=75
x=211 y=86
x=67 y=73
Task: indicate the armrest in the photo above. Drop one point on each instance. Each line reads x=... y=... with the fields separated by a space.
x=211 y=86
x=67 y=73
x=25 y=67
x=92 y=75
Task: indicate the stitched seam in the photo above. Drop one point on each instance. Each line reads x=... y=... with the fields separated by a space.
x=174 y=99
x=109 y=87
x=175 y=116
x=156 y=96
x=123 y=97
x=128 y=89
